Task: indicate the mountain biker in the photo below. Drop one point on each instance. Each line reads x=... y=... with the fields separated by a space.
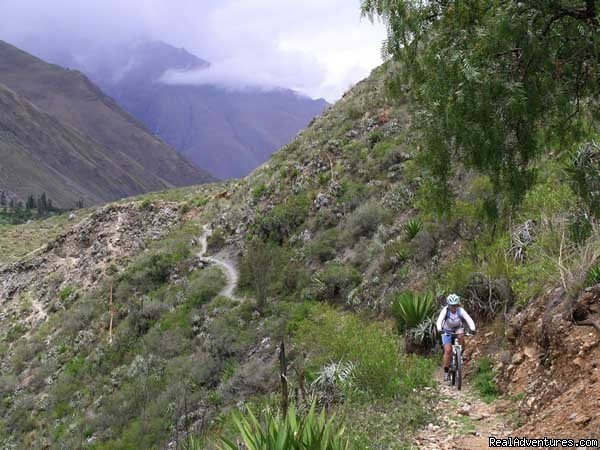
x=452 y=319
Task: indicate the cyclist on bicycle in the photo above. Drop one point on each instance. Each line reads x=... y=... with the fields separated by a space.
x=451 y=320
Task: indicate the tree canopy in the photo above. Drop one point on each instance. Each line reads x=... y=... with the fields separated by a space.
x=496 y=82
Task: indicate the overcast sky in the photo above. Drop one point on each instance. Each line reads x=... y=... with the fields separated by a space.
x=319 y=47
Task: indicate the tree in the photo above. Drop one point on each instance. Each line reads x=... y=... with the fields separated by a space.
x=259 y=269
x=2 y=198
x=30 y=202
x=495 y=81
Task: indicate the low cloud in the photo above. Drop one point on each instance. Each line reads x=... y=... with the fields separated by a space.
x=318 y=48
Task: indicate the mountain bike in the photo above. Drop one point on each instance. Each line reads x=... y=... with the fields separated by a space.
x=456 y=363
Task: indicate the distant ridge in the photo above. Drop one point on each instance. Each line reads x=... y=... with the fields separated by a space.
x=228 y=132
x=71 y=98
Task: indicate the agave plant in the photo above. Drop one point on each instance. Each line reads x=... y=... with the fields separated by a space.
x=424 y=333
x=410 y=309
x=313 y=431
x=330 y=383
x=334 y=373
x=412 y=228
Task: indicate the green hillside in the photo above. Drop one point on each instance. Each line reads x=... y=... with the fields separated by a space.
x=117 y=333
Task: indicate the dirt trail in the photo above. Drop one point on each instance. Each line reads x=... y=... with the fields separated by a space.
x=223 y=261
x=467 y=421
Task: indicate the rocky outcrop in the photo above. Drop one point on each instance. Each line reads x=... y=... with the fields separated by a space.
x=552 y=364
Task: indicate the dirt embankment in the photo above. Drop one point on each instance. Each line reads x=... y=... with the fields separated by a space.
x=548 y=359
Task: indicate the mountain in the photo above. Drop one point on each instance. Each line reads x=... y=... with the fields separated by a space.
x=38 y=153
x=74 y=100
x=228 y=132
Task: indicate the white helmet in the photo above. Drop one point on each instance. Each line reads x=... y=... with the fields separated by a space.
x=453 y=299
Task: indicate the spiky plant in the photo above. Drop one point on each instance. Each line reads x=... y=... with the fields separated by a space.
x=411 y=309
x=331 y=382
x=424 y=333
x=593 y=276
x=412 y=228
x=290 y=432
x=336 y=373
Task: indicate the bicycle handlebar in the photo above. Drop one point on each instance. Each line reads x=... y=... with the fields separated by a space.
x=450 y=333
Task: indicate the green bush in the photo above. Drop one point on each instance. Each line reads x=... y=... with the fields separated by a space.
x=353 y=194
x=216 y=241
x=334 y=282
x=375 y=136
x=65 y=293
x=323 y=247
x=395 y=254
x=484 y=380
x=593 y=276
x=278 y=224
x=411 y=309
x=204 y=286
x=371 y=347
x=365 y=220
x=585 y=176
x=293 y=431
x=259 y=191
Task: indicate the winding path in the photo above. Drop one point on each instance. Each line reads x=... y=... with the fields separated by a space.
x=229 y=268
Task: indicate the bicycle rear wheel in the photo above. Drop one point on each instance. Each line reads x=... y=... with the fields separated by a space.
x=458 y=369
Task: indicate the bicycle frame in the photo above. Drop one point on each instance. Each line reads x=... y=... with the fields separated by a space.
x=456 y=361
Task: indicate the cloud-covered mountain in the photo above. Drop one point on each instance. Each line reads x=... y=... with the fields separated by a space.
x=61 y=134
x=229 y=131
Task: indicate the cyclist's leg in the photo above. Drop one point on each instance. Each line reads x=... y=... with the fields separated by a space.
x=461 y=338
x=447 y=346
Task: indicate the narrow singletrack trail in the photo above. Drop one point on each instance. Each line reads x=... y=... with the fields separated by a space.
x=466 y=421
x=228 y=266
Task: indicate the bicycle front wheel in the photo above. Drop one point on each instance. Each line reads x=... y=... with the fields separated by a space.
x=458 y=369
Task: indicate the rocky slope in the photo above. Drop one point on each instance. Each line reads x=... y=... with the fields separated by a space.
x=41 y=154
x=75 y=101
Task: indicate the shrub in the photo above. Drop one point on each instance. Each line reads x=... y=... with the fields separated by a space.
x=593 y=275
x=585 y=176
x=260 y=268
x=323 y=248
x=411 y=309
x=335 y=282
x=395 y=254
x=375 y=136
x=259 y=191
x=371 y=347
x=65 y=293
x=353 y=194
x=205 y=286
x=292 y=431
x=366 y=218
x=278 y=224
x=484 y=380
x=216 y=241
x=580 y=227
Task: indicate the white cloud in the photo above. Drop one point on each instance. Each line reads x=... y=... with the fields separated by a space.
x=317 y=47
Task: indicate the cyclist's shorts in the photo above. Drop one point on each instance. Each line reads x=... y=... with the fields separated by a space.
x=448 y=339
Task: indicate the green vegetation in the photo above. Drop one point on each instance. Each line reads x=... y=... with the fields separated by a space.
x=494 y=82
x=294 y=431
x=411 y=309
x=484 y=380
